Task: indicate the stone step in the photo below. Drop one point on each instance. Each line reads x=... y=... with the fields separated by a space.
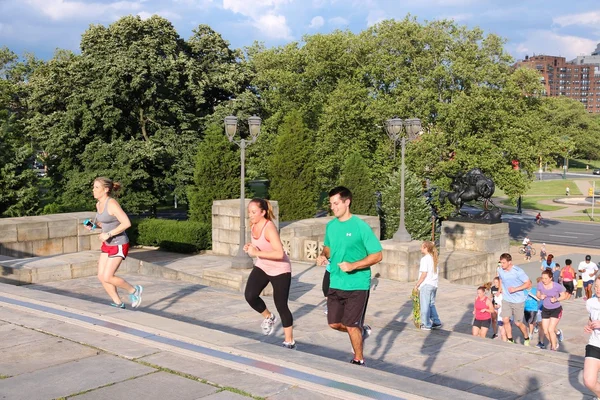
x=303 y=368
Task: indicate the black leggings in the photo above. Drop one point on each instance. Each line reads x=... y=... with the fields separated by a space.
x=325 y=285
x=569 y=287
x=257 y=281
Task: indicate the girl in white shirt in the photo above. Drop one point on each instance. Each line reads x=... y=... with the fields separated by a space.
x=427 y=287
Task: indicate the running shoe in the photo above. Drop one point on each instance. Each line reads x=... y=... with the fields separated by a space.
x=541 y=345
x=560 y=335
x=268 y=324
x=494 y=336
x=358 y=362
x=366 y=332
x=526 y=342
x=120 y=305
x=425 y=328
x=535 y=330
x=325 y=310
x=436 y=326
x=288 y=345
x=136 y=297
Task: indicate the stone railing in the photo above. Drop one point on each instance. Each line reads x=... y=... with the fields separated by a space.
x=303 y=240
x=46 y=235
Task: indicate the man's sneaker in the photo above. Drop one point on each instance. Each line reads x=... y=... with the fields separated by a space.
x=541 y=345
x=268 y=324
x=366 y=332
x=425 y=328
x=494 y=336
x=535 y=330
x=288 y=345
x=436 y=326
x=510 y=340
x=526 y=342
x=136 y=297
x=120 y=305
x=358 y=362
x=560 y=335
x=325 y=310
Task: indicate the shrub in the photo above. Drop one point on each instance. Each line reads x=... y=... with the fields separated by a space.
x=216 y=175
x=355 y=176
x=292 y=172
x=417 y=216
x=177 y=236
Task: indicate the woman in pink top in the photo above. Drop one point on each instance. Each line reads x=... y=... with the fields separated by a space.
x=271 y=265
x=482 y=310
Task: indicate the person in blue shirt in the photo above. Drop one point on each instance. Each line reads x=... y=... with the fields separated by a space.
x=514 y=282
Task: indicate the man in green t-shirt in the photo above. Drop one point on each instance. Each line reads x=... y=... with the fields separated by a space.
x=351 y=247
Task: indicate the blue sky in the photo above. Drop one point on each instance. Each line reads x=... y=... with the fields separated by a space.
x=554 y=27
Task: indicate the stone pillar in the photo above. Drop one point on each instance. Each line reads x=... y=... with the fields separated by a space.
x=469 y=252
x=400 y=260
x=226 y=225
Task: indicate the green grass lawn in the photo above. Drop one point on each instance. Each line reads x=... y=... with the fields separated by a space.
x=533 y=203
x=552 y=188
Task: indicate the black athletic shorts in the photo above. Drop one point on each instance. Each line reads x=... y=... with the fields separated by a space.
x=530 y=317
x=347 y=306
x=592 y=351
x=552 y=313
x=482 y=323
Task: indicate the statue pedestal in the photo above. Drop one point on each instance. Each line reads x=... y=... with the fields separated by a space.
x=469 y=252
x=400 y=261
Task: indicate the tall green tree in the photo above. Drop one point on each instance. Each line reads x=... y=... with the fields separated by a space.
x=355 y=176
x=216 y=175
x=292 y=171
x=18 y=183
x=132 y=106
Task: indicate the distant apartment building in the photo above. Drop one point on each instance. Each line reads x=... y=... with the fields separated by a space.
x=578 y=79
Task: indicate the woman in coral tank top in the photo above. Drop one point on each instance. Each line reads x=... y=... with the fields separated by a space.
x=271 y=265
x=482 y=310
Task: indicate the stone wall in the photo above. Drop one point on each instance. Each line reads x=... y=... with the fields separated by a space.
x=47 y=235
x=303 y=240
x=226 y=225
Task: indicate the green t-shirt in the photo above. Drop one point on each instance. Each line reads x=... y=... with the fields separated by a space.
x=350 y=241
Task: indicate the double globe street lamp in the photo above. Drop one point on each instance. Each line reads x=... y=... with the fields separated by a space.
x=403 y=130
x=242 y=260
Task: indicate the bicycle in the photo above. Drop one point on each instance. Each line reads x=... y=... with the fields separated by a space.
x=522 y=250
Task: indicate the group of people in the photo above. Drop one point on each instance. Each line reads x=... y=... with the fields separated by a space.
x=350 y=249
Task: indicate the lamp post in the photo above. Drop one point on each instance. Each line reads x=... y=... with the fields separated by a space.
x=394 y=128
x=242 y=260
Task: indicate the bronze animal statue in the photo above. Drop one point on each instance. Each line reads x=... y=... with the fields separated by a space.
x=473 y=185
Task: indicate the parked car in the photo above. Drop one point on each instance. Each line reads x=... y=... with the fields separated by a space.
x=596 y=171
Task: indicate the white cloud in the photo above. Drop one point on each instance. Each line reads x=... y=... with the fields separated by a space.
x=338 y=21
x=253 y=8
x=316 y=22
x=273 y=26
x=553 y=44
x=64 y=9
x=263 y=16
x=589 y=18
x=375 y=17
x=319 y=3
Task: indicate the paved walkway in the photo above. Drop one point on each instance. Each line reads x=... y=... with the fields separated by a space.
x=199 y=341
